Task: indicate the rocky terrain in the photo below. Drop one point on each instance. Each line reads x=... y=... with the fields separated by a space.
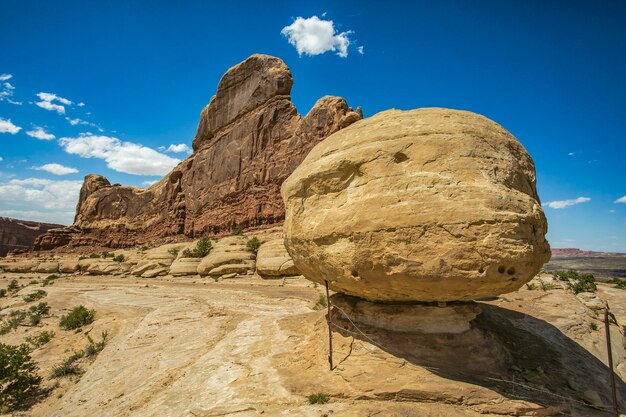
x=20 y=234
x=239 y=344
x=249 y=139
x=603 y=265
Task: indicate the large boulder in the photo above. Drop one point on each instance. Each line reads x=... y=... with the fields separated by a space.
x=272 y=260
x=422 y=205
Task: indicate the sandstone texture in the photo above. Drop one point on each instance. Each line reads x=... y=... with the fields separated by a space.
x=20 y=234
x=228 y=256
x=422 y=205
x=249 y=139
x=272 y=260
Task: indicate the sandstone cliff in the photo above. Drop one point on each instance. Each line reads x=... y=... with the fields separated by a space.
x=249 y=139
x=20 y=234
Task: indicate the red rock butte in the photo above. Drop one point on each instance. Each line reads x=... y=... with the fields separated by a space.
x=249 y=139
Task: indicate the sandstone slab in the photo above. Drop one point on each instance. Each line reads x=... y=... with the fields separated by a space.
x=273 y=260
x=184 y=266
x=422 y=205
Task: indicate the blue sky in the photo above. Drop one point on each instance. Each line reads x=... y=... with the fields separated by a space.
x=138 y=73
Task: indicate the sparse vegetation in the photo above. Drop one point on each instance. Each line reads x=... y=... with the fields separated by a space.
x=577 y=282
x=68 y=367
x=173 y=252
x=93 y=348
x=531 y=286
x=202 y=249
x=35 y=313
x=18 y=375
x=16 y=317
x=3 y=292
x=253 y=245
x=41 y=339
x=77 y=318
x=105 y=255
x=546 y=286
x=118 y=258
x=34 y=296
x=593 y=326
x=237 y=230
x=49 y=280
x=321 y=303
x=13 y=286
x=318 y=398
x=619 y=283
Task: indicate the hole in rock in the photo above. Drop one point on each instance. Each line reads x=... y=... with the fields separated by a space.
x=481 y=270
x=511 y=271
x=400 y=157
x=501 y=269
x=355 y=274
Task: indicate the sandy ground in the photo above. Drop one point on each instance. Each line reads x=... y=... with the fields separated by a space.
x=252 y=347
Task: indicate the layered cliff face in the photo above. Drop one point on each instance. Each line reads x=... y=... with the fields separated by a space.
x=249 y=139
x=20 y=234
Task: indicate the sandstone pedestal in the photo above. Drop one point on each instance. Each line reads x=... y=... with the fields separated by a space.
x=428 y=318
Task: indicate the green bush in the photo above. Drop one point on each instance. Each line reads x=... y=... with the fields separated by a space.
x=34 y=296
x=173 y=252
x=577 y=282
x=50 y=279
x=77 y=318
x=321 y=303
x=253 y=245
x=41 y=339
x=18 y=375
x=237 y=230
x=67 y=368
x=619 y=283
x=546 y=286
x=93 y=348
x=318 y=398
x=118 y=258
x=531 y=286
x=16 y=317
x=3 y=292
x=13 y=286
x=105 y=255
x=43 y=309
x=202 y=249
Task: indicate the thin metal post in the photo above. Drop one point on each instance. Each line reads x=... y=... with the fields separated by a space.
x=610 y=354
x=330 y=330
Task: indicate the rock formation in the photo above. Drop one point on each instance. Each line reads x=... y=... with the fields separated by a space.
x=249 y=139
x=20 y=234
x=417 y=206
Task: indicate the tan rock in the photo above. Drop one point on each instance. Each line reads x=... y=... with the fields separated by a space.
x=184 y=266
x=155 y=272
x=239 y=268
x=227 y=251
x=272 y=260
x=84 y=264
x=104 y=267
x=421 y=205
x=19 y=266
x=68 y=266
x=48 y=267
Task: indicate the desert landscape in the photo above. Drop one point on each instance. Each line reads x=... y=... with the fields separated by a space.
x=395 y=263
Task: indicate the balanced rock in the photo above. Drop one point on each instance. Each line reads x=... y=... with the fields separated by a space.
x=422 y=205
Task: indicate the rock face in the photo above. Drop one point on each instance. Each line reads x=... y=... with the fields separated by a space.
x=20 y=234
x=421 y=205
x=249 y=139
x=228 y=256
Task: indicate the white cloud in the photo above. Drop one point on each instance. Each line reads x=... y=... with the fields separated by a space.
x=127 y=157
x=621 y=200
x=180 y=148
x=147 y=184
x=559 y=204
x=38 y=193
x=56 y=216
x=47 y=100
x=40 y=133
x=6 y=90
x=56 y=169
x=81 y=104
x=361 y=50
x=571 y=154
x=6 y=126
x=78 y=121
x=1 y=159
x=314 y=36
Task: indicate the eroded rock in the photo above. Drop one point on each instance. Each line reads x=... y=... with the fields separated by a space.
x=273 y=260
x=422 y=205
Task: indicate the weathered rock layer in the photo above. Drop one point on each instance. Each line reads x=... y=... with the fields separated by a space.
x=249 y=139
x=421 y=205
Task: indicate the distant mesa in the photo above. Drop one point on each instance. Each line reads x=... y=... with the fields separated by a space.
x=16 y=235
x=249 y=139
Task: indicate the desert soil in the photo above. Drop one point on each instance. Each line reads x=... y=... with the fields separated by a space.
x=251 y=347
